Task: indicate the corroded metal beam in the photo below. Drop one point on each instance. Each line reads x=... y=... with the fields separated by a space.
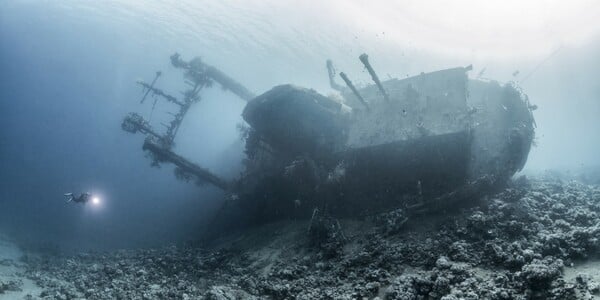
x=331 y=72
x=149 y=87
x=162 y=154
x=351 y=86
x=134 y=123
x=197 y=66
x=364 y=58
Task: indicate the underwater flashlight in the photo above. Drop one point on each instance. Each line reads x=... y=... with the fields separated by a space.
x=95 y=200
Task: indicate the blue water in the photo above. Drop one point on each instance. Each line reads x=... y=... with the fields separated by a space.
x=68 y=72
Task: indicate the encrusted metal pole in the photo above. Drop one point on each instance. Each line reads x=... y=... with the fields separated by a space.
x=163 y=154
x=134 y=123
x=364 y=58
x=351 y=86
x=151 y=86
x=228 y=83
x=331 y=73
x=158 y=92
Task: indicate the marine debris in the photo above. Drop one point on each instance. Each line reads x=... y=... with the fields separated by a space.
x=422 y=144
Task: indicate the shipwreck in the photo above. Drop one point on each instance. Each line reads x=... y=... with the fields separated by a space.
x=421 y=144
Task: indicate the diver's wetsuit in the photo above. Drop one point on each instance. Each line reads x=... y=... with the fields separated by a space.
x=83 y=197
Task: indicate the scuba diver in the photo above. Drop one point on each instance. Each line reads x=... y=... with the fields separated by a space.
x=82 y=198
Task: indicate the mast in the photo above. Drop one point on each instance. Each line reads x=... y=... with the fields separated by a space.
x=198 y=75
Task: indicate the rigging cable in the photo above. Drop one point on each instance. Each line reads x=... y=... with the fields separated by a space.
x=540 y=64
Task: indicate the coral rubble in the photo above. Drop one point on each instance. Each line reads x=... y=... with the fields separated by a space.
x=516 y=244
